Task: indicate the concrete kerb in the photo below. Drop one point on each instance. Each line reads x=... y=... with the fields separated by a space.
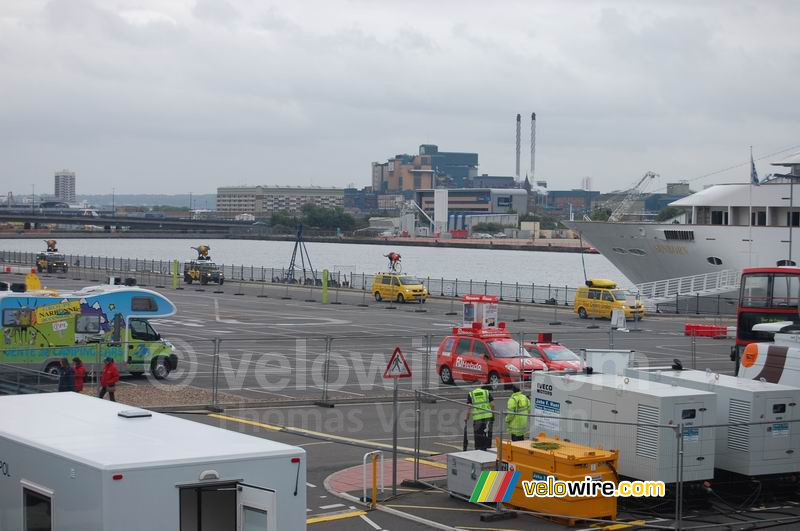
x=388 y=510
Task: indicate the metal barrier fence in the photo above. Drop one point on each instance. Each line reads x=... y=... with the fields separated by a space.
x=673 y=452
x=151 y=272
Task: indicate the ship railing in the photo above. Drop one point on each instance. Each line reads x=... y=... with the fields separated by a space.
x=703 y=284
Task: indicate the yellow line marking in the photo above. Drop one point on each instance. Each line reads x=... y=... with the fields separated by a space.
x=303 y=431
x=628 y=525
x=426 y=462
x=332 y=517
x=437 y=508
x=457 y=447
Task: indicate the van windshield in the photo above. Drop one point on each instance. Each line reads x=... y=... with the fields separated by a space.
x=560 y=354
x=410 y=281
x=508 y=348
x=620 y=294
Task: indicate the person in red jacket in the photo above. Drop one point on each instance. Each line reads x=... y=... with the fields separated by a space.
x=80 y=372
x=108 y=379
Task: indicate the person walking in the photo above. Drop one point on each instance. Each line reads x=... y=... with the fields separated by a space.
x=66 y=377
x=518 y=409
x=481 y=408
x=80 y=373
x=108 y=379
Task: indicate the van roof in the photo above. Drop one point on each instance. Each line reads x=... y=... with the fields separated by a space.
x=89 y=430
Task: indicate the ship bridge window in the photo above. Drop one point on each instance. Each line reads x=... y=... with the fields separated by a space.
x=637 y=252
x=619 y=250
x=784 y=263
x=144 y=304
x=713 y=260
x=685 y=235
x=719 y=217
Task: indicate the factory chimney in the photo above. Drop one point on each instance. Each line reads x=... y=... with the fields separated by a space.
x=533 y=146
x=519 y=138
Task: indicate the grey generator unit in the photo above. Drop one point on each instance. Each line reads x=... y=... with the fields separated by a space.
x=637 y=417
x=758 y=449
x=464 y=469
x=76 y=463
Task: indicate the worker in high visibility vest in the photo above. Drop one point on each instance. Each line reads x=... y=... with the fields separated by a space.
x=481 y=409
x=518 y=409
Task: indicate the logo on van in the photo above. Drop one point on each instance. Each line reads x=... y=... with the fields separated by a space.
x=544 y=389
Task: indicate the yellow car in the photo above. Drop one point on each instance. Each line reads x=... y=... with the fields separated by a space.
x=398 y=287
x=600 y=296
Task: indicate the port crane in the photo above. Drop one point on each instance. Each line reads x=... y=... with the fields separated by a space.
x=631 y=195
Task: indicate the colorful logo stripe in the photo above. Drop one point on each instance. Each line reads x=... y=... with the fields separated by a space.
x=495 y=487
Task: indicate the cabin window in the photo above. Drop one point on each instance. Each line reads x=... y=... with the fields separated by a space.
x=793 y=219
x=607 y=297
x=87 y=324
x=387 y=281
x=462 y=347
x=619 y=250
x=637 y=252
x=719 y=217
x=758 y=218
x=784 y=263
x=144 y=304
x=785 y=291
x=713 y=260
x=17 y=317
x=37 y=510
x=142 y=330
x=594 y=294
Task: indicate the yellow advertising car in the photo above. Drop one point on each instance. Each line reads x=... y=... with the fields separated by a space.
x=398 y=287
x=600 y=296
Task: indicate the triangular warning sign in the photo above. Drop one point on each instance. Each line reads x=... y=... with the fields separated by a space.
x=397 y=366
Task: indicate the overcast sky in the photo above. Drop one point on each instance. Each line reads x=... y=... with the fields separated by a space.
x=182 y=95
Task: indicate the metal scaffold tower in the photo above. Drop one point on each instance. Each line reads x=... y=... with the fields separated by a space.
x=300 y=248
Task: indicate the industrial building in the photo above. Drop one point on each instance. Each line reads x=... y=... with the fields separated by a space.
x=430 y=168
x=65 y=186
x=479 y=200
x=579 y=200
x=262 y=201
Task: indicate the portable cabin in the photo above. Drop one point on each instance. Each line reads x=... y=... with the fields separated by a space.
x=69 y=462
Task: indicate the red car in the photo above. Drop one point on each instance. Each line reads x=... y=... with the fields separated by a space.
x=556 y=357
x=491 y=356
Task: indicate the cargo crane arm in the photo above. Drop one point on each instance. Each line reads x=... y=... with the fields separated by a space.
x=630 y=196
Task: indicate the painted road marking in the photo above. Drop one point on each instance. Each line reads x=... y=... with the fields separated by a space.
x=370 y=522
x=426 y=462
x=331 y=506
x=333 y=517
x=318 y=434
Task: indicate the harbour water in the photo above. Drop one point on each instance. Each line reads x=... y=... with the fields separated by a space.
x=477 y=264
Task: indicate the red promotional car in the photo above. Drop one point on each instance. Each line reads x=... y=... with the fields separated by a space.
x=556 y=357
x=484 y=355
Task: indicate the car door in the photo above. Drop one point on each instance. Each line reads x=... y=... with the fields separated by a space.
x=464 y=367
x=607 y=304
x=594 y=302
x=483 y=356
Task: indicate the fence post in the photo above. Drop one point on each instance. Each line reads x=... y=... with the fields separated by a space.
x=533 y=291
x=677 y=310
x=215 y=378
x=426 y=380
x=679 y=477
x=441 y=288
x=697 y=304
x=501 y=290
x=694 y=349
x=325 y=372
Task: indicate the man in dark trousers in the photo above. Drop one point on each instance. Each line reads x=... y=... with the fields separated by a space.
x=66 y=376
x=481 y=408
x=108 y=379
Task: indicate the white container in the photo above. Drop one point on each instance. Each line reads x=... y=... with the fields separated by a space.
x=755 y=450
x=76 y=458
x=611 y=411
x=464 y=469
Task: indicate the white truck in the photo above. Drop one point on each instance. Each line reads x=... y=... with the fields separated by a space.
x=69 y=462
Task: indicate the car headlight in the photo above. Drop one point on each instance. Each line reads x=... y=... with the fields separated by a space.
x=512 y=368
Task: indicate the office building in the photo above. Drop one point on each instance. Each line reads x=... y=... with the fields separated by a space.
x=263 y=201
x=430 y=168
x=65 y=186
x=452 y=169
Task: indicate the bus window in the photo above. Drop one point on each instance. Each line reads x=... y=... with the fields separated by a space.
x=785 y=290
x=755 y=291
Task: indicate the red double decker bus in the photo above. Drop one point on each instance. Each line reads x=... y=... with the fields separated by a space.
x=767 y=295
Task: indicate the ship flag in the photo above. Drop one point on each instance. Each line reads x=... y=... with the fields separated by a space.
x=753 y=172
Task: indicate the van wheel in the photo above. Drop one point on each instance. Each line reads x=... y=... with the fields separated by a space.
x=378 y=296
x=494 y=380
x=53 y=368
x=221 y=281
x=159 y=368
x=582 y=313
x=400 y=298
x=446 y=375
x=137 y=374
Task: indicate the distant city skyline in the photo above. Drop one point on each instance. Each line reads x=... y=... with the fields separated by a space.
x=171 y=96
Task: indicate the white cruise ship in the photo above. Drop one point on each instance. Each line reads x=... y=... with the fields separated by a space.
x=724 y=227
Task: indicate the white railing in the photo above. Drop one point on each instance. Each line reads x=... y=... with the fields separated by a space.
x=703 y=284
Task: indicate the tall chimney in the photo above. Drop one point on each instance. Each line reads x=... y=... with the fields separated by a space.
x=519 y=138
x=533 y=145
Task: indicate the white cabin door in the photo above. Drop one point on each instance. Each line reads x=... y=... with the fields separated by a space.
x=255 y=509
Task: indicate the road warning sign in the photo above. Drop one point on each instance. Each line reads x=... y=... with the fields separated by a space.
x=397 y=366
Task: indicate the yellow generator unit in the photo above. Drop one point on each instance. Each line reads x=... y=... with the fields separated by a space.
x=544 y=456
